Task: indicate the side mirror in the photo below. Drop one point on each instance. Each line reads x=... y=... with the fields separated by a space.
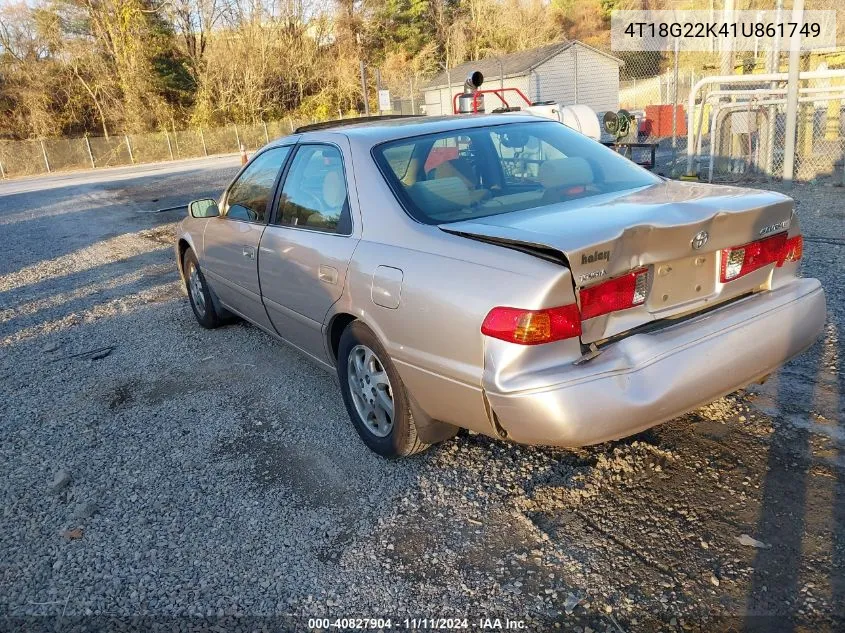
x=205 y=208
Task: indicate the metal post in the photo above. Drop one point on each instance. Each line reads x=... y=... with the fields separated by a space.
x=169 y=144
x=575 y=63
x=413 y=105
x=792 y=93
x=675 y=105
x=129 y=147
x=727 y=46
x=364 y=88
x=202 y=138
x=90 y=153
x=290 y=124
x=266 y=135
x=237 y=138
x=378 y=89
x=44 y=153
x=771 y=123
x=2 y=171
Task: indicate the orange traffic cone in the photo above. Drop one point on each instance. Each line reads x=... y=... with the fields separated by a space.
x=244 y=158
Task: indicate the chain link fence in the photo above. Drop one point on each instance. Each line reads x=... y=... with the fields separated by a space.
x=34 y=157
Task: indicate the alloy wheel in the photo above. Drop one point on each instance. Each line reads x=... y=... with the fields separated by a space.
x=371 y=392
x=196 y=289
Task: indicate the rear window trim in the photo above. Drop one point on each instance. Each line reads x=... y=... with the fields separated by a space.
x=401 y=195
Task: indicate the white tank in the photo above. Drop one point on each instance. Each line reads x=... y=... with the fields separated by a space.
x=578 y=117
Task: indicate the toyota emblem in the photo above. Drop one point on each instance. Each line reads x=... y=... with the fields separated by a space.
x=700 y=239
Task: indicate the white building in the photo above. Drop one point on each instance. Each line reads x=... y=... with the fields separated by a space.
x=566 y=72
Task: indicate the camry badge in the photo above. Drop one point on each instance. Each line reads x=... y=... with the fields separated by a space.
x=774 y=227
x=700 y=239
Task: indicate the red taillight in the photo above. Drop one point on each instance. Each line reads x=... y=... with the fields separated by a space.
x=616 y=294
x=741 y=260
x=792 y=250
x=532 y=327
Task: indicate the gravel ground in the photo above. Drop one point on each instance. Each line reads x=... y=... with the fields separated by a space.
x=153 y=468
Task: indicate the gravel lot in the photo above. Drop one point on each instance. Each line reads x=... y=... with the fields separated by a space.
x=151 y=467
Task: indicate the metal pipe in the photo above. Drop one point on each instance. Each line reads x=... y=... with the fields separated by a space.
x=766 y=91
x=740 y=79
x=792 y=95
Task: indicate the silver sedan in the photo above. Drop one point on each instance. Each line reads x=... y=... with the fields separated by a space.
x=503 y=274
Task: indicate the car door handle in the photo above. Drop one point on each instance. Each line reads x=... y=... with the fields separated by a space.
x=327 y=274
x=249 y=252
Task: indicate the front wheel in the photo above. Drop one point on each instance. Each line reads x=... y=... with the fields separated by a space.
x=199 y=294
x=374 y=394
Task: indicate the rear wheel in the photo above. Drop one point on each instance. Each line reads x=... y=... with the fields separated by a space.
x=199 y=293
x=374 y=394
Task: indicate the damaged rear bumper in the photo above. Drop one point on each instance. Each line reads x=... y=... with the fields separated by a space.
x=652 y=377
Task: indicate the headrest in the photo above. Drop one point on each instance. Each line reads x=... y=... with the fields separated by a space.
x=455 y=167
x=441 y=194
x=334 y=191
x=565 y=172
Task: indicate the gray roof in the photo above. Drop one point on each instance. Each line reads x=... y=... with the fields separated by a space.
x=512 y=64
x=369 y=133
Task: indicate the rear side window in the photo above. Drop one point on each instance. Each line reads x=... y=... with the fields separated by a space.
x=314 y=195
x=477 y=172
x=248 y=196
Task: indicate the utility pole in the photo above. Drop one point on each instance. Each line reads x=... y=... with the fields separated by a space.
x=792 y=93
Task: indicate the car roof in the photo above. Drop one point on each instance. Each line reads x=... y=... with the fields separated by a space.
x=373 y=132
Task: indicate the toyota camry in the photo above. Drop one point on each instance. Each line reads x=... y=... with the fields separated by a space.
x=500 y=273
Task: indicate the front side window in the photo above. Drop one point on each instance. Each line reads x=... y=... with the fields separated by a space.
x=248 y=196
x=314 y=194
x=477 y=172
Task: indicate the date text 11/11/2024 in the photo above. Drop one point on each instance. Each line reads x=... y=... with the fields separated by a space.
x=417 y=624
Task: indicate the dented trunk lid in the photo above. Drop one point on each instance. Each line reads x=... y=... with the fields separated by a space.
x=660 y=227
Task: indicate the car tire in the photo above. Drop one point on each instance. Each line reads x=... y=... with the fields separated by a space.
x=199 y=293
x=368 y=381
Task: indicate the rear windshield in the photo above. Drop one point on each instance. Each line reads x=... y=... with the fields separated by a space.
x=472 y=173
